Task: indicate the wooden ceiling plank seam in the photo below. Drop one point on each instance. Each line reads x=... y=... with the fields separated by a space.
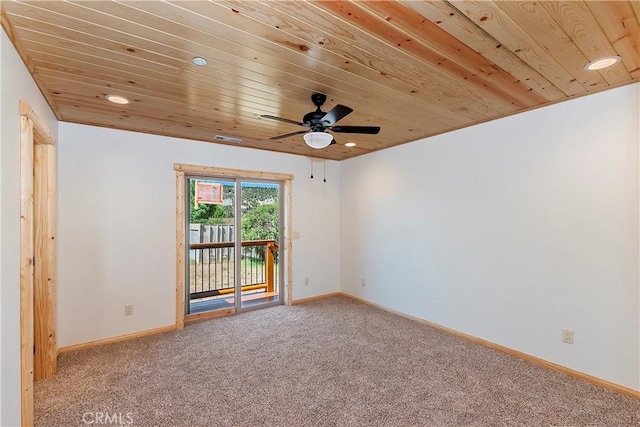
x=372 y=79
x=494 y=21
x=55 y=43
x=449 y=50
x=621 y=26
x=578 y=22
x=8 y=27
x=80 y=41
x=464 y=29
x=410 y=74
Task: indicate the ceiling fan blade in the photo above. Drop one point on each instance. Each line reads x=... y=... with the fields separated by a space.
x=293 y=122
x=356 y=129
x=289 y=134
x=337 y=113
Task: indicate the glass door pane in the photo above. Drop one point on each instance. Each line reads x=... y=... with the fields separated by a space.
x=260 y=236
x=212 y=272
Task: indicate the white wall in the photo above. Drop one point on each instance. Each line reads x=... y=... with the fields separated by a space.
x=117 y=226
x=16 y=84
x=510 y=231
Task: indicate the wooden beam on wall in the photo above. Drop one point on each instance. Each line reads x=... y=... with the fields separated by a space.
x=44 y=135
x=233 y=173
x=45 y=252
x=289 y=237
x=26 y=270
x=180 y=242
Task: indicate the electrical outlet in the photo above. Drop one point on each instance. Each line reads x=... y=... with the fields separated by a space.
x=363 y=283
x=567 y=336
x=306 y=281
x=128 y=309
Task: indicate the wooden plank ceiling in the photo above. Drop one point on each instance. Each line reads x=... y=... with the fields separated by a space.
x=414 y=68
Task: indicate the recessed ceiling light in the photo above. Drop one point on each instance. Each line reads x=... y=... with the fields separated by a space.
x=200 y=61
x=601 y=63
x=350 y=144
x=117 y=99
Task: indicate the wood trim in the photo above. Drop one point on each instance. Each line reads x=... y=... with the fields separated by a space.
x=180 y=242
x=119 y=338
x=26 y=270
x=317 y=297
x=234 y=173
x=44 y=135
x=45 y=253
x=524 y=356
x=190 y=318
x=289 y=240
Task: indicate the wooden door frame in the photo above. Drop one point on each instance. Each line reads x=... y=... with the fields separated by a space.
x=181 y=191
x=38 y=255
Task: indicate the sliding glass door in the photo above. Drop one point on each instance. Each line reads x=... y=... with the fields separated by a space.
x=260 y=236
x=234 y=231
x=212 y=233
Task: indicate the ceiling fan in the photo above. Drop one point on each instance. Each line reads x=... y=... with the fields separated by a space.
x=318 y=122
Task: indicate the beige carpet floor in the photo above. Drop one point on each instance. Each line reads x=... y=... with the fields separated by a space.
x=332 y=362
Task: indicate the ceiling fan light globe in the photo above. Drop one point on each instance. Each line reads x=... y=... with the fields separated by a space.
x=317 y=140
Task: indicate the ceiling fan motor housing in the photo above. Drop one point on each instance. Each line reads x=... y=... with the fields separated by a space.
x=313 y=120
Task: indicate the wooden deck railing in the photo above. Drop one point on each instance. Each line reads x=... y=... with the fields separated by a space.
x=212 y=267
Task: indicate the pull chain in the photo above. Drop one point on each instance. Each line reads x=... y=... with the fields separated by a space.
x=311 y=160
x=324 y=164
